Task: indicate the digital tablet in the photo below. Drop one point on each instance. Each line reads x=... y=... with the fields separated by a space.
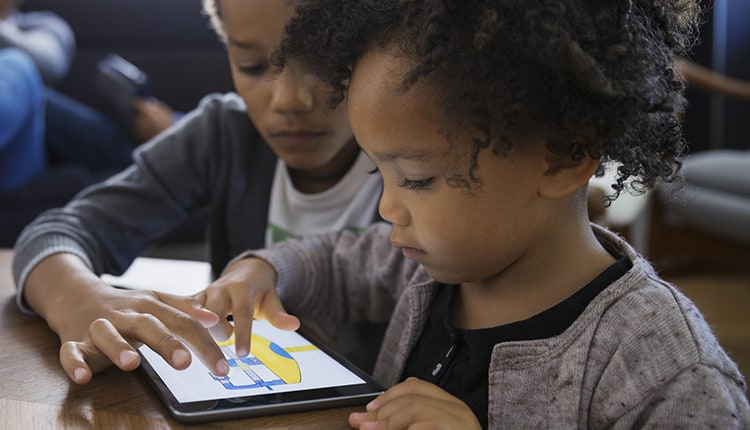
x=286 y=371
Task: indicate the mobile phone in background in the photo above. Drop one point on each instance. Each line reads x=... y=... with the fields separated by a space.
x=117 y=82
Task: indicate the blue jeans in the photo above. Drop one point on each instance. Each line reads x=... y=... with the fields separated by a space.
x=22 y=148
x=51 y=146
x=41 y=128
x=77 y=134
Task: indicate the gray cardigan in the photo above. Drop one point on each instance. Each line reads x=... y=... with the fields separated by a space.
x=640 y=355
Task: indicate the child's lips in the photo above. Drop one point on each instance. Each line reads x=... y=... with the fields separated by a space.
x=407 y=251
x=297 y=138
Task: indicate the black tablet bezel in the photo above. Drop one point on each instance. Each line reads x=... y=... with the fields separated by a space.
x=268 y=404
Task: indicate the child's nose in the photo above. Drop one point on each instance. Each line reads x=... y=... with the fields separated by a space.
x=392 y=210
x=291 y=92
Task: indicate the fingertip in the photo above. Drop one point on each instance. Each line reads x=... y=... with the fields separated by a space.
x=356 y=418
x=128 y=359
x=372 y=406
x=362 y=420
x=180 y=359
x=81 y=375
x=295 y=322
x=222 y=367
x=206 y=317
x=221 y=332
x=285 y=321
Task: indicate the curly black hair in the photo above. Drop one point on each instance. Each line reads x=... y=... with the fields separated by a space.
x=572 y=68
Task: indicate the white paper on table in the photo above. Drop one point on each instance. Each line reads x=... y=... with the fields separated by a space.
x=180 y=277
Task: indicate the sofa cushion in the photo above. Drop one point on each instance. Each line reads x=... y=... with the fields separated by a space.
x=716 y=196
x=722 y=170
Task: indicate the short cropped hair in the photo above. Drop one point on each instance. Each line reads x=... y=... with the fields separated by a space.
x=212 y=9
x=597 y=77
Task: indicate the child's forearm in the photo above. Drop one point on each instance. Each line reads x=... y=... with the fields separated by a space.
x=57 y=285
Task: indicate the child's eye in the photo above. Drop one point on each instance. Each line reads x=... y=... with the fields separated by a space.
x=252 y=69
x=419 y=185
x=409 y=184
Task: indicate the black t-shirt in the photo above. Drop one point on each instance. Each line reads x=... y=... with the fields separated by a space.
x=458 y=360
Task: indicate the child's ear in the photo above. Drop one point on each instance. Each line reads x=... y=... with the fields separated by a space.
x=565 y=174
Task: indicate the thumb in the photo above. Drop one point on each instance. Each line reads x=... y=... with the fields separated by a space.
x=273 y=311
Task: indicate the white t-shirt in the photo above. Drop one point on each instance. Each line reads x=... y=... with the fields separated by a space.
x=349 y=205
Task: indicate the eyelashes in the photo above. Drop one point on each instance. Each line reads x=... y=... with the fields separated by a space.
x=419 y=185
x=409 y=184
x=253 y=70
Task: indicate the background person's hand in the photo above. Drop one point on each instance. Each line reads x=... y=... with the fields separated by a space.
x=7 y=7
x=151 y=116
x=246 y=290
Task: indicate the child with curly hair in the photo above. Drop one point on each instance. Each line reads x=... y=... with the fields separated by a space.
x=507 y=308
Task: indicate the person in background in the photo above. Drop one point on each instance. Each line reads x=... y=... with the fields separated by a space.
x=269 y=162
x=32 y=178
x=50 y=41
x=22 y=151
x=72 y=145
x=507 y=307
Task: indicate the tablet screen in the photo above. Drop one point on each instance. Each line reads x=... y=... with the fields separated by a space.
x=283 y=372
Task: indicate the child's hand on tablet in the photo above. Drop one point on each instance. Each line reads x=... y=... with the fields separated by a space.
x=415 y=402
x=246 y=291
x=99 y=325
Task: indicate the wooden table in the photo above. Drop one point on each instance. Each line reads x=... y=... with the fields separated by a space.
x=35 y=393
